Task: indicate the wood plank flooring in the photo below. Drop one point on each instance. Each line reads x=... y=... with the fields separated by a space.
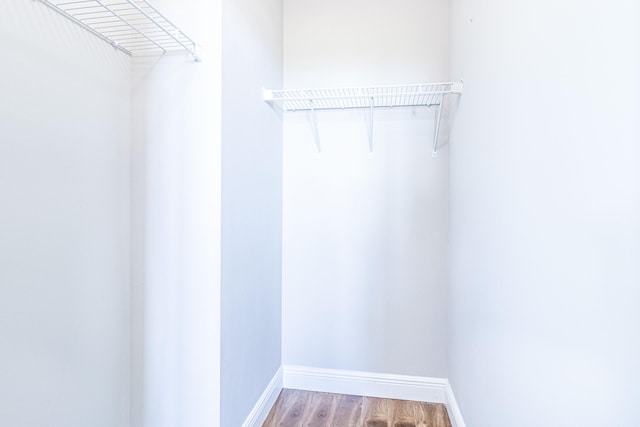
x=296 y=408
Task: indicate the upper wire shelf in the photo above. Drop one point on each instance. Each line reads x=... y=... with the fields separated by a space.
x=414 y=95
x=132 y=26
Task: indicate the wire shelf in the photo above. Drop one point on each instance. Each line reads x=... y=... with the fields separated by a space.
x=415 y=95
x=132 y=26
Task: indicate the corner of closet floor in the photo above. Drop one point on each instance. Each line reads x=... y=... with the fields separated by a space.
x=426 y=389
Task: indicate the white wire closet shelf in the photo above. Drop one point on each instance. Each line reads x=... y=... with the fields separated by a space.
x=413 y=95
x=132 y=26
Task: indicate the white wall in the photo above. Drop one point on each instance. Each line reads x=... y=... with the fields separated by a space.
x=365 y=240
x=176 y=228
x=251 y=204
x=545 y=208
x=64 y=223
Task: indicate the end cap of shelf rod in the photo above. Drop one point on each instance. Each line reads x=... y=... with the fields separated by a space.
x=458 y=87
x=267 y=94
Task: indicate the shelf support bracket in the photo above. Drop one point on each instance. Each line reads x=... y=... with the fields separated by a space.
x=437 y=130
x=314 y=126
x=371 y=126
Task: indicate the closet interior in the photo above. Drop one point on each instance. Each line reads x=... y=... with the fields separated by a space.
x=203 y=203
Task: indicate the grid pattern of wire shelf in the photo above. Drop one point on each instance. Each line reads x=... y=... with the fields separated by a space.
x=414 y=95
x=132 y=26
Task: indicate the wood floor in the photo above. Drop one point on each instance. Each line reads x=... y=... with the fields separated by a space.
x=295 y=408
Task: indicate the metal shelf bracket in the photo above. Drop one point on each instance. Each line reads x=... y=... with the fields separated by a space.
x=371 y=127
x=437 y=129
x=314 y=128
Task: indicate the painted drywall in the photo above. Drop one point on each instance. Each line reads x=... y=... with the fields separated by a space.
x=545 y=208
x=365 y=240
x=251 y=204
x=176 y=227
x=64 y=223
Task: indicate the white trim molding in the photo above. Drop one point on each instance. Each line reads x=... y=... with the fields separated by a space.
x=366 y=384
x=453 y=409
x=403 y=387
x=260 y=411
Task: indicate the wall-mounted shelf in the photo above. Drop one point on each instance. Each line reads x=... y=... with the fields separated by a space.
x=132 y=26
x=415 y=95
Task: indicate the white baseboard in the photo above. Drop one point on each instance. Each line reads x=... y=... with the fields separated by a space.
x=260 y=411
x=403 y=387
x=452 y=408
